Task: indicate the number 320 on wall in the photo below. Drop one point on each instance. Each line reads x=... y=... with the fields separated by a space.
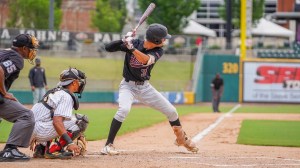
x=230 y=68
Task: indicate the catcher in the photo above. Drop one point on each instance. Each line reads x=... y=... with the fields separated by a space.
x=53 y=119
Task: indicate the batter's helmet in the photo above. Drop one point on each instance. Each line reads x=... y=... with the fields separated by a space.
x=71 y=74
x=156 y=32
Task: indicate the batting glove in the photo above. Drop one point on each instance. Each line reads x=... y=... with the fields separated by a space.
x=129 y=34
x=128 y=42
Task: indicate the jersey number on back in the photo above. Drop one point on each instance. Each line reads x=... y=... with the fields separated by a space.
x=10 y=67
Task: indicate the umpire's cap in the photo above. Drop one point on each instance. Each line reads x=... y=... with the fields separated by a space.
x=156 y=32
x=69 y=75
x=26 y=40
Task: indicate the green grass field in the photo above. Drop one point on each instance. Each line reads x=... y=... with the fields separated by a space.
x=274 y=108
x=102 y=71
x=100 y=120
x=270 y=133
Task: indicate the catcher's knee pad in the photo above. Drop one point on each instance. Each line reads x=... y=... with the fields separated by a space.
x=82 y=121
x=58 y=144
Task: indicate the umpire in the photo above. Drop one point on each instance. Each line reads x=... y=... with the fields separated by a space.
x=217 y=90
x=24 y=46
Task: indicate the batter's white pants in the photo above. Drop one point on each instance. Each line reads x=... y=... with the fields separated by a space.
x=145 y=94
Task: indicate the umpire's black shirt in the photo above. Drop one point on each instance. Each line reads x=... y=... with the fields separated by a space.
x=12 y=63
x=217 y=82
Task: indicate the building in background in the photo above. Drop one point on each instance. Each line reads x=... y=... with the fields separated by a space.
x=288 y=14
x=208 y=14
x=3 y=13
x=77 y=15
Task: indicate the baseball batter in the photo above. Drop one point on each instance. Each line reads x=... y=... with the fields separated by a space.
x=53 y=118
x=140 y=58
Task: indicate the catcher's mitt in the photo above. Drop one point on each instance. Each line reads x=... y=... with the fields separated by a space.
x=82 y=143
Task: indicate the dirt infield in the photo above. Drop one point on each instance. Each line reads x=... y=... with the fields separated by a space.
x=153 y=147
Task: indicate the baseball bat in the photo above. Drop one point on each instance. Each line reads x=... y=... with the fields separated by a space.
x=145 y=15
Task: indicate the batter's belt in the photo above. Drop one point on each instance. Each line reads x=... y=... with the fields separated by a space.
x=136 y=82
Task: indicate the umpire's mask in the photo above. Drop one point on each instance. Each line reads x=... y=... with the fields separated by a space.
x=71 y=74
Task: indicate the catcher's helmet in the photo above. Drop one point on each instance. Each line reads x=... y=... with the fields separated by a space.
x=71 y=74
x=156 y=32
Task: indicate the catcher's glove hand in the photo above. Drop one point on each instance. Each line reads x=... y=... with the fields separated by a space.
x=82 y=144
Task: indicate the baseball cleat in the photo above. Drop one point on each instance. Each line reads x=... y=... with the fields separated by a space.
x=109 y=150
x=58 y=155
x=39 y=151
x=13 y=155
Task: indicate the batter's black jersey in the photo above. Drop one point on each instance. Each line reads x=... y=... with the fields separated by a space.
x=12 y=63
x=134 y=70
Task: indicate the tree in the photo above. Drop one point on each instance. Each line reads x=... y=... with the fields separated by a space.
x=257 y=6
x=109 y=15
x=171 y=13
x=33 y=14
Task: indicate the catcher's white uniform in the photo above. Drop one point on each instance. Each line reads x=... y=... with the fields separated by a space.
x=62 y=103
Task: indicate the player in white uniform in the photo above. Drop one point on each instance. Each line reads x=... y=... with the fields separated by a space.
x=53 y=118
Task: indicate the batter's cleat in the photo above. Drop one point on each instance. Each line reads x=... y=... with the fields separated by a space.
x=189 y=145
x=183 y=140
x=39 y=151
x=109 y=150
x=13 y=155
x=59 y=155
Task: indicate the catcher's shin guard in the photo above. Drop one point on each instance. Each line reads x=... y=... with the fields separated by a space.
x=183 y=140
x=58 y=146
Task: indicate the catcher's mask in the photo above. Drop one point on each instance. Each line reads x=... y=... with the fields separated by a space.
x=71 y=74
x=29 y=41
x=156 y=32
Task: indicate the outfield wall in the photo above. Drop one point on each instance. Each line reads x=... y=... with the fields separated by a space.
x=228 y=67
x=25 y=97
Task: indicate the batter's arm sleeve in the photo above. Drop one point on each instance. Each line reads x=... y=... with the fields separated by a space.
x=115 y=46
x=157 y=54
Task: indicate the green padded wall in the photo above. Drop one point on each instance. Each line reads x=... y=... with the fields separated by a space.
x=228 y=67
x=25 y=97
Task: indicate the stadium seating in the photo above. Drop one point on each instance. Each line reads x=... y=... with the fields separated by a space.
x=289 y=53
